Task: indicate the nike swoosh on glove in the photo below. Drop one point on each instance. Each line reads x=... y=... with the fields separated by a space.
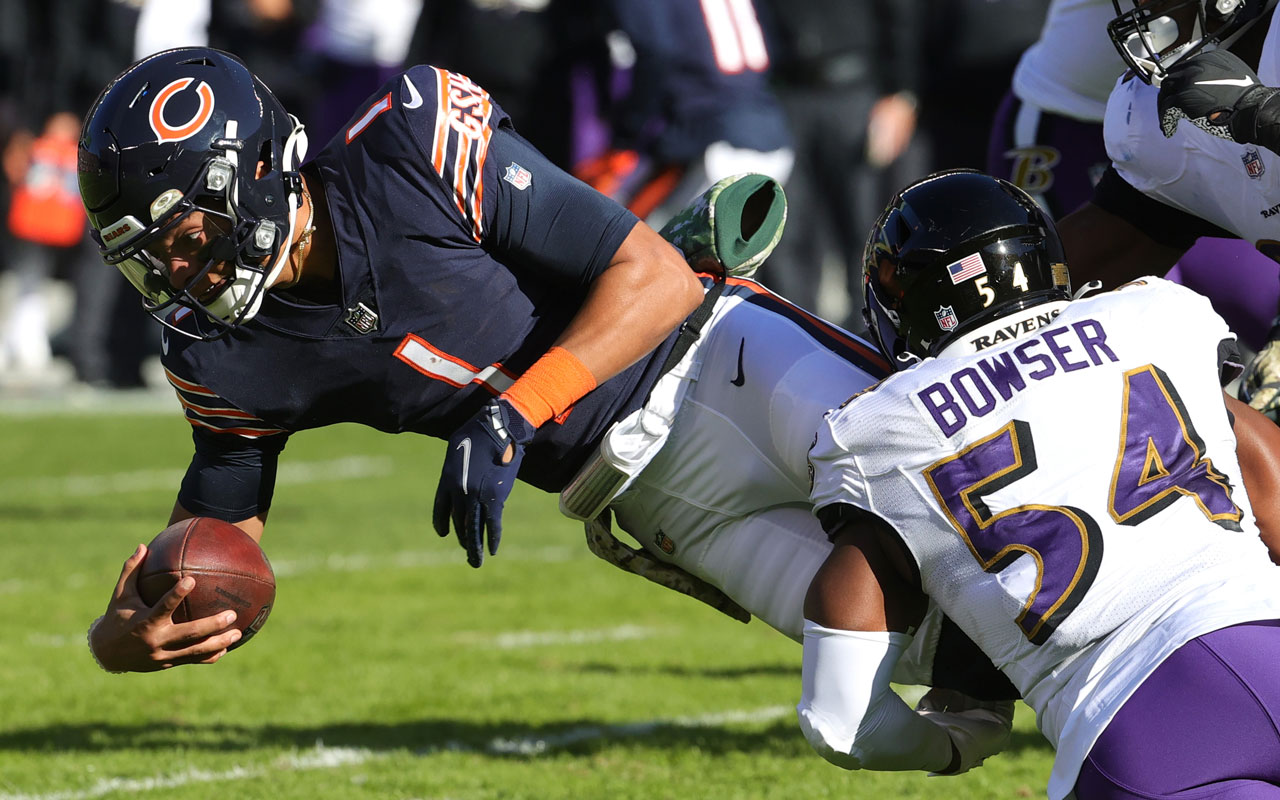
x=1260 y=386
x=978 y=728
x=478 y=474
x=1214 y=91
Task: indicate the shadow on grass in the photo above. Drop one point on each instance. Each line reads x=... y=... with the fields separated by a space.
x=499 y=739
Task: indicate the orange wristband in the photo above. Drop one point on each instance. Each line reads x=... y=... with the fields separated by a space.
x=547 y=389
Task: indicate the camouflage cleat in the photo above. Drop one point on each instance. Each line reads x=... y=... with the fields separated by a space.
x=731 y=228
x=604 y=544
x=1260 y=386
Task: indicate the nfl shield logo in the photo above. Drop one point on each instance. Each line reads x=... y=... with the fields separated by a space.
x=362 y=318
x=1253 y=165
x=518 y=176
x=946 y=317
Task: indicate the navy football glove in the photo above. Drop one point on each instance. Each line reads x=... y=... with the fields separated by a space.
x=478 y=475
x=1221 y=95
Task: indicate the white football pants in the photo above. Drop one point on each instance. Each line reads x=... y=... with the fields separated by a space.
x=727 y=497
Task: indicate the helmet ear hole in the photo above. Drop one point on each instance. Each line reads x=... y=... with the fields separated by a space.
x=265 y=158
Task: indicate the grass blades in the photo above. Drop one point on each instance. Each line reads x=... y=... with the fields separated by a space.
x=389 y=668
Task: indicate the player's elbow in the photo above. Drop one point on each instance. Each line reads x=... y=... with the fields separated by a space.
x=683 y=284
x=828 y=737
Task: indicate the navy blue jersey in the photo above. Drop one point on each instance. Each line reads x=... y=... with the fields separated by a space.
x=462 y=254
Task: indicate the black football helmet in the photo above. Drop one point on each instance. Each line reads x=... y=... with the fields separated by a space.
x=1152 y=35
x=180 y=131
x=952 y=252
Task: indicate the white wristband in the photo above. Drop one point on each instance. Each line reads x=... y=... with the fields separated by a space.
x=88 y=638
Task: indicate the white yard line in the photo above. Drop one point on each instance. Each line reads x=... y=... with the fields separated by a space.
x=155 y=479
x=517 y=640
x=322 y=757
x=538 y=745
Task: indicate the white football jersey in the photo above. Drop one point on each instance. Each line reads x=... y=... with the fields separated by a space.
x=1071 y=68
x=1234 y=186
x=1072 y=498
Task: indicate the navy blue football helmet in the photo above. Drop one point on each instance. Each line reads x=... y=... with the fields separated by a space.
x=1152 y=35
x=952 y=252
x=183 y=131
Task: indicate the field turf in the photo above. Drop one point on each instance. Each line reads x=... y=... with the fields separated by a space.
x=389 y=668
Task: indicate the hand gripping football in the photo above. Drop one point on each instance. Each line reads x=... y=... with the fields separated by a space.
x=229 y=568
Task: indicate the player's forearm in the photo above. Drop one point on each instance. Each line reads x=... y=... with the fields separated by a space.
x=635 y=303
x=850 y=715
x=253 y=525
x=1258 y=450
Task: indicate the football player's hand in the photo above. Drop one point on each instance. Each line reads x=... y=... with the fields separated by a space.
x=1260 y=385
x=135 y=637
x=978 y=729
x=479 y=470
x=1216 y=92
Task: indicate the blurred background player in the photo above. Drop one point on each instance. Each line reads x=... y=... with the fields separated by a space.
x=692 y=104
x=52 y=58
x=46 y=223
x=1111 y=568
x=847 y=73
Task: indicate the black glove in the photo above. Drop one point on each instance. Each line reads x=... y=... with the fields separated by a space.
x=1221 y=95
x=478 y=475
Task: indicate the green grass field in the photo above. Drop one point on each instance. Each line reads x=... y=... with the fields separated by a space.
x=389 y=668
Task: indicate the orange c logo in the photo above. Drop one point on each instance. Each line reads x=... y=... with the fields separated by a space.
x=169 y=133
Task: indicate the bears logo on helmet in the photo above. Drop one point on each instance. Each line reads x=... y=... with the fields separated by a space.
x=176 y=133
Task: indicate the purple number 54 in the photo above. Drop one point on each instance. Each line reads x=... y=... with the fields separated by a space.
x=1160 y=458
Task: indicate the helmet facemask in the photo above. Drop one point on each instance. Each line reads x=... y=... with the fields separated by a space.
x=184 y=131
x=255 y=249
x=1153 y=35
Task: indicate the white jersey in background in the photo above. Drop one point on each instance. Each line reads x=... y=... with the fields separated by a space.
x=1072 y=496
x=1072 y=67
x=1234 y=186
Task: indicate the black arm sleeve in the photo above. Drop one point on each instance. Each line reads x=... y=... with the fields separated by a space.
x=1230 y=362
x=1165 y=224
x=556 y=225
x=230 y=477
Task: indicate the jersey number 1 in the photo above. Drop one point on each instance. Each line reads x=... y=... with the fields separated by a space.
x=1161 y=458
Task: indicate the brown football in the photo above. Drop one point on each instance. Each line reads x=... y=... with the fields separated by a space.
x=229 y=567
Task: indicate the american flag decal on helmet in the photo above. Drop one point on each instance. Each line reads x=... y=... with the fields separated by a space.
x=968 y=267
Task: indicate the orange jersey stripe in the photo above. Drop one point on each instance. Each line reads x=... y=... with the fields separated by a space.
x=187 y=386
x=251 y=433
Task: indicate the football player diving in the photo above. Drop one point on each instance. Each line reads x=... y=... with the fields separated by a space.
x=431 y=272
x=1061 y=477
